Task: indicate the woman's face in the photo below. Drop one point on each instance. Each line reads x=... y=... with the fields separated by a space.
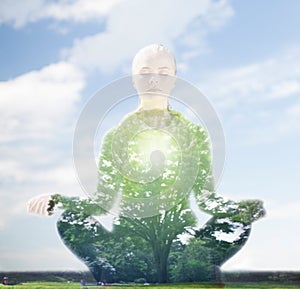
x=154 y=74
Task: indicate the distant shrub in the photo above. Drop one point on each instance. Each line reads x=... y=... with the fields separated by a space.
x=140 y=280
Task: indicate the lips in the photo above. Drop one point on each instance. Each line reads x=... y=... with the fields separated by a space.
x=154 y=90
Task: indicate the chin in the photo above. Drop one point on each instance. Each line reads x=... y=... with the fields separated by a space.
x=155 y=94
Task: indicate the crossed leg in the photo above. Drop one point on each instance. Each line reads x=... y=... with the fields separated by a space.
x=103 y=252
x=223 y=238
x=81 y=236
x=93 y=244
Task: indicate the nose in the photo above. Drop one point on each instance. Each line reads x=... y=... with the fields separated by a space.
x=153 y=81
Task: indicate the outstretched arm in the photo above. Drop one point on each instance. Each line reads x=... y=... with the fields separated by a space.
x=246 y=211
x=103 y=199
x=46 y=205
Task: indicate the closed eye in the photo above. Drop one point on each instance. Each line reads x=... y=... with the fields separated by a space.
x=164 y=71
x=145 y=70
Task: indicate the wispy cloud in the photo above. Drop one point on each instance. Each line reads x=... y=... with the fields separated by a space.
x=37 y=108
x=261 y=97
x=134 y=24
x=33 y=104
x=37 y=114
x=18 y=14
x=273 y=79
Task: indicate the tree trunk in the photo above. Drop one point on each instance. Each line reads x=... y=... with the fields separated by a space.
x=163 y=273
x=161 y=255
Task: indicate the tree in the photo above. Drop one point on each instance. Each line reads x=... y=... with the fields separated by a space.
x=129 y=254
x=190 y=262
x=120 y=255
x=79 y=231
x=179 y=154
x=160 y=231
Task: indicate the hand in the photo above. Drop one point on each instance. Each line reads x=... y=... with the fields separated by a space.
x=39 y=205
x=249 y=211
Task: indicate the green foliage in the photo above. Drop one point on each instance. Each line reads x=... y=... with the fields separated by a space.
x=148 y=188
x=55 y=200
x=44 y=285
x=129 y=254
x=192 y=264
x=160 y=231
x=154 y=209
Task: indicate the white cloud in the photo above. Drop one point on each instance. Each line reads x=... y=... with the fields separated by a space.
x=136 y=23
x=27 y=180
x=38 y=102
x=259 y=101
x=79 y=10
x=20 y=13
x=37 y=113
x=270 y=80
x=36 y=109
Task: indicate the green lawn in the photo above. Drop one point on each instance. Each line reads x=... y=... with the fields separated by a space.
x=48 y=285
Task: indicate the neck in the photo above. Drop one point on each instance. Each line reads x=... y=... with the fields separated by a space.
x=148 y=102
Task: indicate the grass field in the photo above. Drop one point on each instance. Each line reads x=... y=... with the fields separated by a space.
x=54 y=285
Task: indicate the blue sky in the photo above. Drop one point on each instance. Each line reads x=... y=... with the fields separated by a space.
x=243 y=55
